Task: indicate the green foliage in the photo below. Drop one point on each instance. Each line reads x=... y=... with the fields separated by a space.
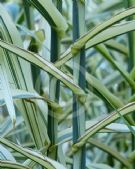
x=67 y=84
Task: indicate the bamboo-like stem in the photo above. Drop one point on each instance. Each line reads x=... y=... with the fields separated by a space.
x=131 y=38
x=28 y=14
x=79 y=78
x=33 y=47
x=131 y=64
x=54 y=90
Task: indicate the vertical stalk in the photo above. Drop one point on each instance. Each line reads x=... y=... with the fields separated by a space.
x=79 y=78
x=28 y=14
x=131 y=35
x=33 y=47
x=54 y=90
x=131 y=38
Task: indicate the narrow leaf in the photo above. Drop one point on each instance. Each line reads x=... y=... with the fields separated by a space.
x=104 y=122
x=44 y=161
x=12 y=165
x=43 y=64
x=52 y=15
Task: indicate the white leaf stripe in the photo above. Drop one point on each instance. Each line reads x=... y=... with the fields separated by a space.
x=44 y=161
x=43 y=64
x=104 y=122
x=50 y=12
x=91 y=34
x=12 y=165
